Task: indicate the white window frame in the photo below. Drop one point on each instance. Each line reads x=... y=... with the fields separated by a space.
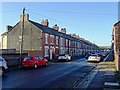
x=52 y=37
x=69 y=43
x=57 y=40
x=46 y=51
x=46 y=38
x=61 y=41
x=66 y=42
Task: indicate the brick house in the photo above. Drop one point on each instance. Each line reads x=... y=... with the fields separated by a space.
x=40 y=39
x=116 y=41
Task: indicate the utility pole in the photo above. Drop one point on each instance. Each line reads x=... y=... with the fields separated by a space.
x=21 y=37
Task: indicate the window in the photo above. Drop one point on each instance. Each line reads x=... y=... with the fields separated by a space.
x=61 y=50
x=37 y=57
x=27 y=58
x=52 y=39
x=46 y=38
x=61 y=39
x=46 y=51
x=66 y=50
x=63 y=42
x=72 y=43
x=57 y=39
x=69 y=43
x=40 y=57
x=75 y=44
x=66 y=42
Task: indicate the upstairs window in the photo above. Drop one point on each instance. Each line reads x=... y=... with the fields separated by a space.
x=66 y=42
x=46 y=38
x=61 y=41
x=57 y=40
x=51 y=39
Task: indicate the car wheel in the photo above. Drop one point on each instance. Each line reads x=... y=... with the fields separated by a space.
x=35 y=66
x=46 y=64
x=67 y=60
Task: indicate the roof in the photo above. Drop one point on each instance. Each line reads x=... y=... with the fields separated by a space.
x=4 y=33
x=116 y=23
x=54 y=32
x=10 y=29
x=57 y=33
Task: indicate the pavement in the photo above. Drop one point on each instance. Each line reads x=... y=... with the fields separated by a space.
x=104 y=77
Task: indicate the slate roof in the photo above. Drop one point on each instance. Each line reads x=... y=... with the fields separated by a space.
x=60 y=34
x=10 y=29
x=116 y=23
x=54 y=32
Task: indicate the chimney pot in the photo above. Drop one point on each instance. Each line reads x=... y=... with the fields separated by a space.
x=45 y=23
x=9 y=27
x=63 y=30
x=55 y=27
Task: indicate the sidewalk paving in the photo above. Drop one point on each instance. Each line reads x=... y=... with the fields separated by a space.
x=106 y=78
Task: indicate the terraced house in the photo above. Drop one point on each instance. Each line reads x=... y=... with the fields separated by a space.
x=40 y=39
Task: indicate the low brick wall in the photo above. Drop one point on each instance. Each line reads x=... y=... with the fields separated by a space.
x=13 y=60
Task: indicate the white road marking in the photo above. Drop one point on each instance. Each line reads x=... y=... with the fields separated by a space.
x=111 y=84
x=85 y=83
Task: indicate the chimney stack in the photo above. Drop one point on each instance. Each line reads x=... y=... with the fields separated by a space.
x=26 y=17
x=45 y=23
x=55 y=27
x=63 y=30
x=8 y=27
x=74 y=35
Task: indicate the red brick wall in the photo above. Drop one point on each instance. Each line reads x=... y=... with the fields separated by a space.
x=116 y=32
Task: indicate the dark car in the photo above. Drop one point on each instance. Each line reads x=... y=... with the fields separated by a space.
x=34 y=61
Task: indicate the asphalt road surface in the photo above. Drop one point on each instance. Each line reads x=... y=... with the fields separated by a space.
x=55 y=75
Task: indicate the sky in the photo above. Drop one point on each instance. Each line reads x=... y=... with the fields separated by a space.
x=92 y=21
x=119 y=10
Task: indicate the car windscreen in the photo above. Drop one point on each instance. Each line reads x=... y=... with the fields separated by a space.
x=93 y=55
x=62 y=55
x=27 y=58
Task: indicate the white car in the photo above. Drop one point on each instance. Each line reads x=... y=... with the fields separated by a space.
x=65 y=57
x=94 y=57
x=3 y=66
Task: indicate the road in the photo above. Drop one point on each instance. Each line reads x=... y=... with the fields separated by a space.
x=55 y=75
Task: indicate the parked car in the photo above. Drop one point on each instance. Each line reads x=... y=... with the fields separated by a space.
x=34 y=61
x=3 y=66
x=87 y=55
x=101 y=56
x=94 y=57
x=64 y=57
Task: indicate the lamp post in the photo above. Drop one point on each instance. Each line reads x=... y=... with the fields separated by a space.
x=21 y=38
